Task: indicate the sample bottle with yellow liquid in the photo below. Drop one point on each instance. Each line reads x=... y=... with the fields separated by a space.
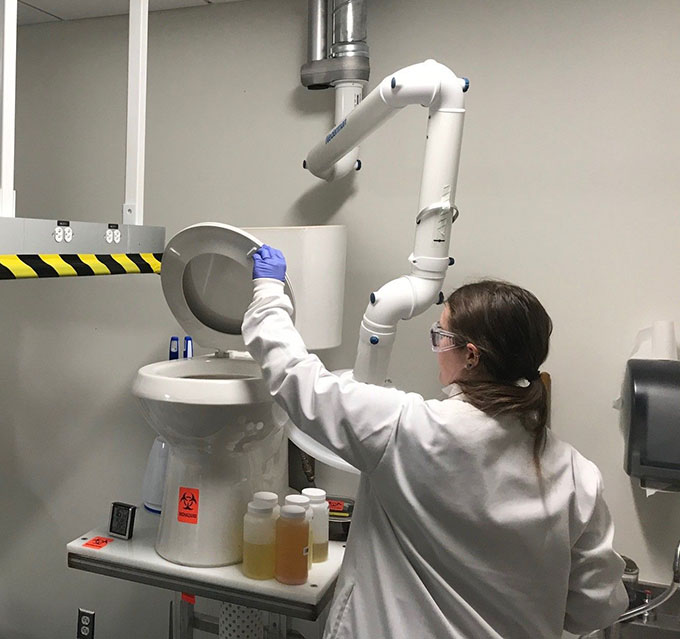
x=259 y=541
x=269 y=498
x=319 y=507
x=292 y=546
x=302 y=500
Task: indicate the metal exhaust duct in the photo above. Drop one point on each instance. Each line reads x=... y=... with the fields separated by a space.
x=343 y=22
x=316 y=30
x=349 y=28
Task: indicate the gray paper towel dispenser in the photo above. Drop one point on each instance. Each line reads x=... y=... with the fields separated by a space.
x=651 y=420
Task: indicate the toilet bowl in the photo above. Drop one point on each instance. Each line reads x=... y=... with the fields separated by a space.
x=226 y=437
x=216 y=415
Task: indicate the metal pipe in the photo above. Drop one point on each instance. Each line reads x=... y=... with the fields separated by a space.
x=650 y=605
x=349 y=28
x=663 y=597
x=336 y=45
x=654 y=603
x=316 y=30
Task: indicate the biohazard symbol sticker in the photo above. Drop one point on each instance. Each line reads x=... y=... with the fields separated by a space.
x=97 y=542
x=187 y=506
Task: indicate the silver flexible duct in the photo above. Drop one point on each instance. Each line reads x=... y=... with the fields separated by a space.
x=349 y=28
x=336 y=50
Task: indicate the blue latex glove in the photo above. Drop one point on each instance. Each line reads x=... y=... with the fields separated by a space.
x=269 y=262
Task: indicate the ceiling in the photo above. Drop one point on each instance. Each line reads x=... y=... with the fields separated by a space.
x=35 y=11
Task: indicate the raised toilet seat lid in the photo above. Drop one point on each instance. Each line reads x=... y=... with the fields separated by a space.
x=206 y=276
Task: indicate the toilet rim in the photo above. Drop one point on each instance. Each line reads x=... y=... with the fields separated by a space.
x=166 y=381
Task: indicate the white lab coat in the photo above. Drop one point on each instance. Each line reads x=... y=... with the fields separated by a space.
x=453 y=535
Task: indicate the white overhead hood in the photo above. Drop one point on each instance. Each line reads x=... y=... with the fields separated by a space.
x=54 y=248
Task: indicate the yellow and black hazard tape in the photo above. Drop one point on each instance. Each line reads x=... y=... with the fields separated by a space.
x=13 y=267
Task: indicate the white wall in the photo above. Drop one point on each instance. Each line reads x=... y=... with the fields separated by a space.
x=568 y=186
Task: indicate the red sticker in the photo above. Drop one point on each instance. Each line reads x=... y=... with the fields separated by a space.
x=187 y=505
x=190 y=599
x=97 y=542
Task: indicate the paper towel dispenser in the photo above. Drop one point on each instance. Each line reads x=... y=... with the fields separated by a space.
x=651 y=420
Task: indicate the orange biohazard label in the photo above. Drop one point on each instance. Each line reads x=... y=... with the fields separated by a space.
x=97 y=542
x=187 y=505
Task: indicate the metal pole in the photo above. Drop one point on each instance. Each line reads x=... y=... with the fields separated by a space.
x=181 y=618
x=8 y=110
x=275 y=625
x=316 y=30
x=133 y=208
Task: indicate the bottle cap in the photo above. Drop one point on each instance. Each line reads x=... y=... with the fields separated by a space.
x=316 y=495
x=293 y=512
x=260 y=508
x=266 y=497
x=297 y=500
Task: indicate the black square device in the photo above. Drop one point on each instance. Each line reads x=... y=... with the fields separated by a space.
x=122 y=520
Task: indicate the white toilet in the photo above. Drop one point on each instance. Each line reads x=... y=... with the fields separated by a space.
x=226 y=436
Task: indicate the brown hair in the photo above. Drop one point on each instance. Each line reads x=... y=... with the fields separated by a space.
x=511 y=330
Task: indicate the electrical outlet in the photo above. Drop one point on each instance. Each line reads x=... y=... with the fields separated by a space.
x=85 y=624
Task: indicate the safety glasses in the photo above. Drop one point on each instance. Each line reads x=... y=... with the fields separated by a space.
x=442 y=340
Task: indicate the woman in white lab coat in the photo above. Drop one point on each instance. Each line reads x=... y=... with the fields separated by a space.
x=473 y=521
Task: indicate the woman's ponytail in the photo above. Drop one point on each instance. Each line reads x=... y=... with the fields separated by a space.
x=511 y=330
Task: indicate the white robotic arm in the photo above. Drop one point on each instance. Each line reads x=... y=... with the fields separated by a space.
x=435 y=86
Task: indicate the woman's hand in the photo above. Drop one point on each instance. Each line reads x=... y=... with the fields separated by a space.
x=269 y=262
